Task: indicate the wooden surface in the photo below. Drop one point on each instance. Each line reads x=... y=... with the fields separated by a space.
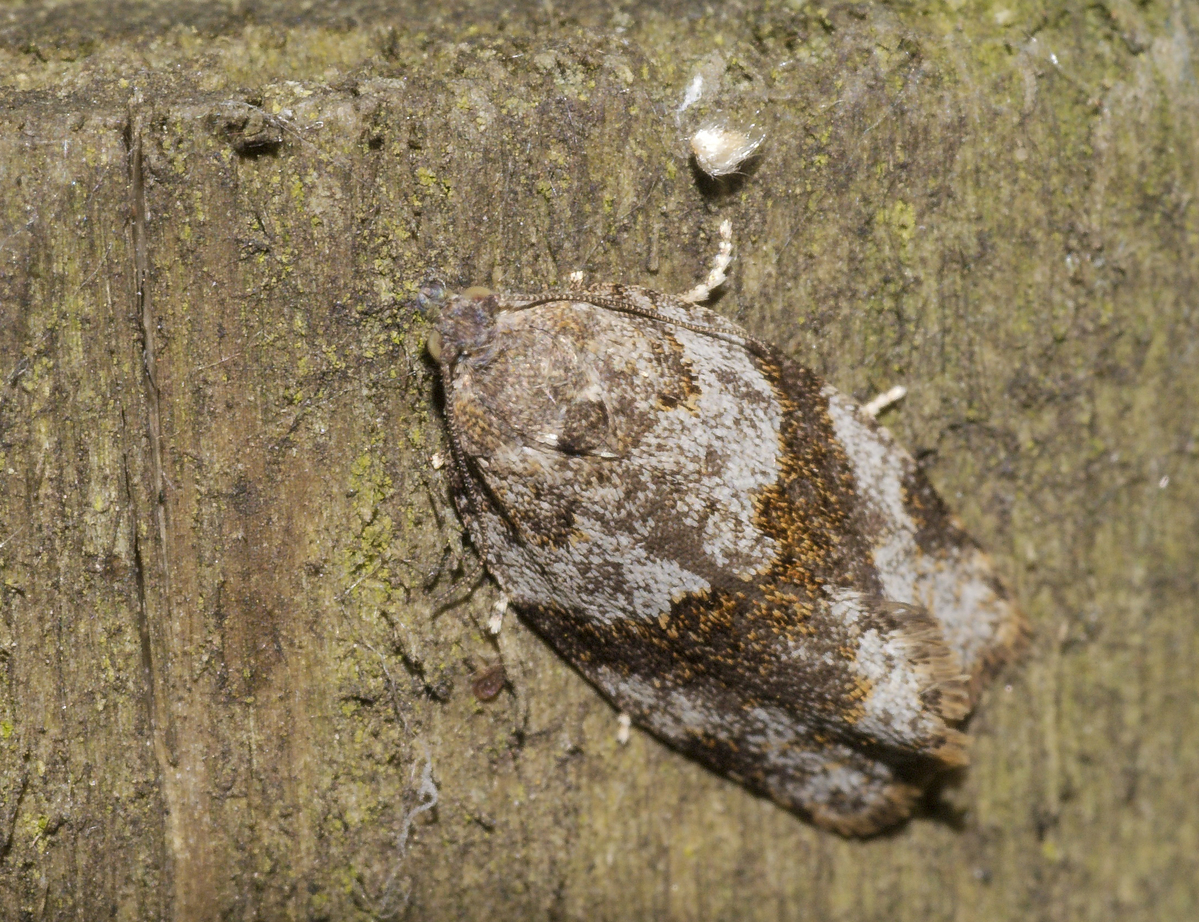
x=238 y=626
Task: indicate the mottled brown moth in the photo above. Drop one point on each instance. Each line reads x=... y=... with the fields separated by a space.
x=729 y=549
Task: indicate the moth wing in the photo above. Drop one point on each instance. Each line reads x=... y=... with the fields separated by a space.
x=855 y=764
x=849 y=792
x=922 y=556
x=842 y=717
x=900 y=686
x=903 y=729
x=772 y=751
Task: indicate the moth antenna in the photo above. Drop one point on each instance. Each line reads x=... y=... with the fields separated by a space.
x=720 y=262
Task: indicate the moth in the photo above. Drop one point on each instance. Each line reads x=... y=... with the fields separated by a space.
x=730 y=550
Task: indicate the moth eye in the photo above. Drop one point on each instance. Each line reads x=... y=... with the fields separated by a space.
x=433 y=345
x=430 y=297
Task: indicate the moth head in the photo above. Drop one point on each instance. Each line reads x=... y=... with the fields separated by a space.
x=465 y=328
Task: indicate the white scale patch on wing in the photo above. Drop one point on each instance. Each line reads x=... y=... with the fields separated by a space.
x=835 y=772
x=743 y=430
x=814 y=775
x=894 y=710
x=953 y=587
x=674 y=713
x=571 y=575
x=709 y=458
x=777 y=738
x=795 y=768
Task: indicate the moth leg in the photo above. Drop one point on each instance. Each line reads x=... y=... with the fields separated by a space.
x=623 y=724
x=510 y=646
x=720 y=263
x=884 y=400
x=574 y=281
x=496 y=621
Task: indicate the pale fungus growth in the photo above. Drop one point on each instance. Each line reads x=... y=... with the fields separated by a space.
x=720 y=150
